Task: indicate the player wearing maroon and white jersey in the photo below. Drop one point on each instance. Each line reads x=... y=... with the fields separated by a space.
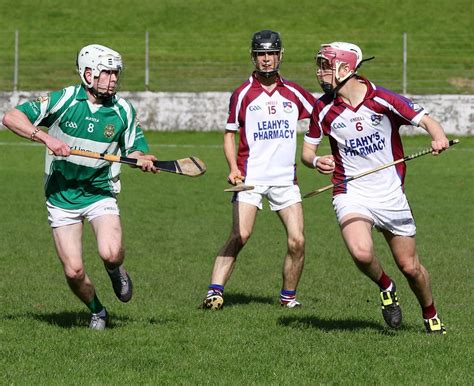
x=365 y=137
x=362 y=122
x=266 y=109
x=267 y=123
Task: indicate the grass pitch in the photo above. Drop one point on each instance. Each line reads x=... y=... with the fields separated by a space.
x=173 y=227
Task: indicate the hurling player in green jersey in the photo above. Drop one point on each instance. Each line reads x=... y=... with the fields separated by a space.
x=90 y=117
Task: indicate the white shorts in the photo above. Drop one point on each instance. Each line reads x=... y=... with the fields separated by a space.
x=393 y=215
x=58 y=217
x=279 y=197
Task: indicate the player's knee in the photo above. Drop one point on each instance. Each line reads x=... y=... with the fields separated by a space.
x=362 y=254
x=240 y=238
x=296 y=245
x=74 y=274
x=411 y=269
x=112 y=254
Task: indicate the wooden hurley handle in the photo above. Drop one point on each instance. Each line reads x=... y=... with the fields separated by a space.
x=107 y=157
x=239 y=186
x=191 y=166
x=349 y=179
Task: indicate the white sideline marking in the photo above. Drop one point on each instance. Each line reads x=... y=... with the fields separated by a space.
x=184 y=145
x=150 y=144
x=408 y=150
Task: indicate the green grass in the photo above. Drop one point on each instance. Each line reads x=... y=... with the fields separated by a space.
x=202 y=45
x=173 y=228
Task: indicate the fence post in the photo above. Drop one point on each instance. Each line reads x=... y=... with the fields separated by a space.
x=404 y=86
x=147 y=63
x=17 y=54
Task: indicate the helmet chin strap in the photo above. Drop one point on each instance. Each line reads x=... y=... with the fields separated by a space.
x=268 y=74
x=102 y=96
x=329 y=89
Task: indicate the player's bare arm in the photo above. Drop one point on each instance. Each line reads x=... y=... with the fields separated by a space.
x=231 y=157
x=19 y=123
x=323 y=164
x=439 y=141
x=147 y=165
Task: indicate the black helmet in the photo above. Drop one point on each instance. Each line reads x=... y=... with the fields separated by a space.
x=266 y=41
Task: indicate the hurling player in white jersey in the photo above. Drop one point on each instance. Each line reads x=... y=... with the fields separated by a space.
x=362 y=121
x=88 y=117
x=265 y=110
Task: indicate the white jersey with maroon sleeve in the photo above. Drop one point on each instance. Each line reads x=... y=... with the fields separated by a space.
x=267 y=123
x=365 y=137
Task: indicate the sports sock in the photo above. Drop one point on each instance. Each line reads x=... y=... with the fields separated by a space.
x=385 y=283
x=287 y=296
x=102 y=313
x=95 y=305
x=429 y=312
x=111 y=269
x=215 y=288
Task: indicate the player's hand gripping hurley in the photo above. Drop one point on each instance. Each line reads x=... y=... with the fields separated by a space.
x=191 y=166
x=239 y=186
x=348 y=179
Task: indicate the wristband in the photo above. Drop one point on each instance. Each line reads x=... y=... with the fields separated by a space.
x=315 y=159
x=33 y=134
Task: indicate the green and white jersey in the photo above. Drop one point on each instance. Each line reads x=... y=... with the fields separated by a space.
x=75 y=182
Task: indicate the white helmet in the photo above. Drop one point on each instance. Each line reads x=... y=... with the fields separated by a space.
x=98 y=58
x=338 y=53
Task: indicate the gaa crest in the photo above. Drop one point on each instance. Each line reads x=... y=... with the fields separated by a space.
x=376 y=119
x=109 y=131
x=42 y=99
x=287 y=107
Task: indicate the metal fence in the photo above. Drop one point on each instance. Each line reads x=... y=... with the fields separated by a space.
x=406 y=63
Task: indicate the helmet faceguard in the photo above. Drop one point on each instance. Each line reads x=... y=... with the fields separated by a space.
x=98 y=58
x=266 y=41
x=336 y=54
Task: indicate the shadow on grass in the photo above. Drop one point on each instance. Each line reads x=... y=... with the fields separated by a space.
x=329 y=325
x=240 y=298
x=68 y=319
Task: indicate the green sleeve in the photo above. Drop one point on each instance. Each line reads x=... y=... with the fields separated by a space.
x=38 y=110
x=140 y=143
x=133 y=138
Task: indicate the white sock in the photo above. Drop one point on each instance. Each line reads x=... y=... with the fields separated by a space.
x=389 y=288
x=102 y=313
